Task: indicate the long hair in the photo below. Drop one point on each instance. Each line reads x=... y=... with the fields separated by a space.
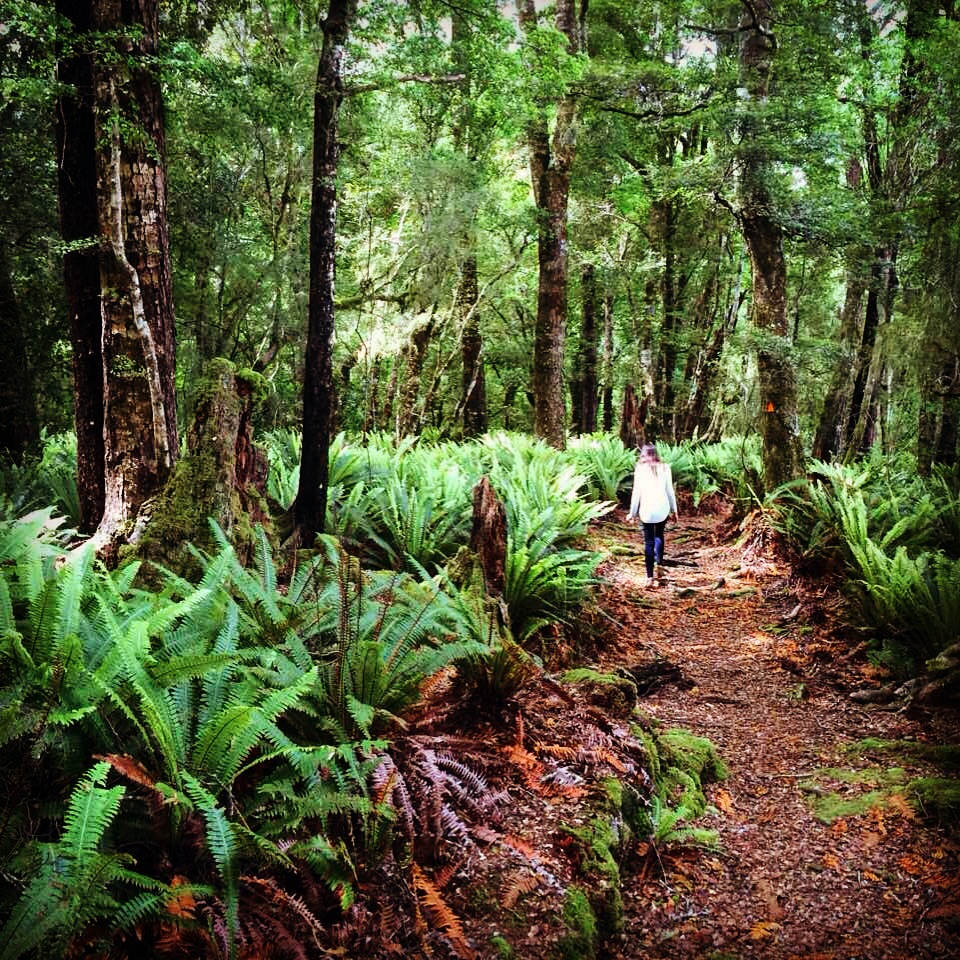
x=650 y=458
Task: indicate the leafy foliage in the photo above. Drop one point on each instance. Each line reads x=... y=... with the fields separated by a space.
x=890 y=533
x=388 y=635
x=604 y=462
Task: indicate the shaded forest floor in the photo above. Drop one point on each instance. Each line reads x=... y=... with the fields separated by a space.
x=821 y=851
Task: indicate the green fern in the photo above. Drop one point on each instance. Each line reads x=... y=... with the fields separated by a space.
x=605 y=463
x=913 y=602
x=76 y=883
x=389 y=634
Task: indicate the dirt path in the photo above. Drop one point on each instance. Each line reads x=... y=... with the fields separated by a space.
x=771 y=688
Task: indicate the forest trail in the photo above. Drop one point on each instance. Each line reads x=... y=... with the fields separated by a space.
x=820 y=855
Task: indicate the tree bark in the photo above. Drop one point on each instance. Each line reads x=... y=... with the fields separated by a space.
x=127 y=355
x=76 y=142
x=588 y=351
x=551 y=159
x=310 y=505
x=473 y=392
x=779 y=424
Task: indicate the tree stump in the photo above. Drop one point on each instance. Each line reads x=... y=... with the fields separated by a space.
x=222 y=477
x=488 y=538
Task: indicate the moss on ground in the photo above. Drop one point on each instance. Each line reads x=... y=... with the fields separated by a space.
x=936 y=797
x=578 y=917
x=611 y=692
x=946 y=756
x=887 y=787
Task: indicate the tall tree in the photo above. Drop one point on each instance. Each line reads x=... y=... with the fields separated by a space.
x=310 y=506
x=588 y=378
x=763 y=236
x=112 y=186
x=551 y=160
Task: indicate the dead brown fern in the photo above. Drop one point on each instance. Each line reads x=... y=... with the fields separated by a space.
x=515 y=888
x=439 y=914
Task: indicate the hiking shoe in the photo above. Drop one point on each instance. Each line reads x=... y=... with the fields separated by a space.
x=658 y=573
x=651 y=582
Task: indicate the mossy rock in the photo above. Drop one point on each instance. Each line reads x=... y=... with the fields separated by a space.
x=686 y=751
x=616 y=695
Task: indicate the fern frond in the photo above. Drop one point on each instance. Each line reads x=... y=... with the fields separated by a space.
x=441 y=916
x=518 y=886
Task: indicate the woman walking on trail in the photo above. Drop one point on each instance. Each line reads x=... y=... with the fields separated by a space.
x=653 y=499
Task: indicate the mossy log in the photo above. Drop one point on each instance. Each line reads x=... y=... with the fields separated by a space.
x=221 y=477
x=941 y=682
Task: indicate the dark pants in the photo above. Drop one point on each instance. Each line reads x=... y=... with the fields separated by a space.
x=653 y=534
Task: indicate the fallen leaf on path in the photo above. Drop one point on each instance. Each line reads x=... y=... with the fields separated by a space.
x=912 y=864
x=723 y=801
x=763 y=929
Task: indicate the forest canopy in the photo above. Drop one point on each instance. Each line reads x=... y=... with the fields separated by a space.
x=744 y=214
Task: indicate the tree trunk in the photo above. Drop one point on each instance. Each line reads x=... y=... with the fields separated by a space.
x=703 y=360
x=939 y=422
x=870 y=362
x=411 y=360
x=132 y=344
x=551 y=159
x=76 y=141
x=588 y=352
x=632 y=419
x=19 y=426
x=780 y=431
x=832 y=434
x=470 y=139
x=310 y=505
x=608 y=362
x=473 y=392
x=663 y=215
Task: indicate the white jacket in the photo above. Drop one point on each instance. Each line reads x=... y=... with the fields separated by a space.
x=653 y=497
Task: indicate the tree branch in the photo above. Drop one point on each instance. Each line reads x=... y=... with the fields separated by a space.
x=404 y=78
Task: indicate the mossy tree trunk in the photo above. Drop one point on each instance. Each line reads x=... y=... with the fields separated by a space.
x=222 y=477
x=763 y=236
x=113 y=194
